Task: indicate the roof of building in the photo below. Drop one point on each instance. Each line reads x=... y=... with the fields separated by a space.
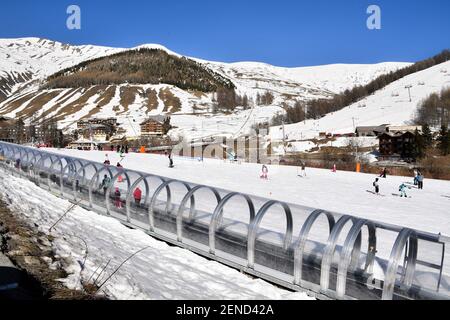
x=158 y=118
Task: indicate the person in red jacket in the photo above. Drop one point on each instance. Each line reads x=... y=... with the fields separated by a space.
x=137 y=194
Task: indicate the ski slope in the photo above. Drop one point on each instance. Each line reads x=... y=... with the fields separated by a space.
x=343 y=192
x=390 y=105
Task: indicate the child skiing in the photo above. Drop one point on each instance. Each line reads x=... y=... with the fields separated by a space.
x=377 y=186
x=402 y=189
x=264 y=172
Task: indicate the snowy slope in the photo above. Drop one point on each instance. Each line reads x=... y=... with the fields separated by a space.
x=390 y=105
x=158 y=272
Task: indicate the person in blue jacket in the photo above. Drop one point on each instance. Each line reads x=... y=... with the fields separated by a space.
x=402 y=190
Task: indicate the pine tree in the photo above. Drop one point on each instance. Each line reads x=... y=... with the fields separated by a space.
x=444 y=141
x=419 y=145
x=427 y=136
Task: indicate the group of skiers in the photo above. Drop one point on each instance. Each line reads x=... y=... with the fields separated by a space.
x=265 y=171
x=418 y=181
x=106 y=183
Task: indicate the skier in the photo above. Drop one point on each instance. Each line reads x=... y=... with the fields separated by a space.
x=170 y=160
x=402 y=189
x=264 y=172
x=415 y=176
x=137 y=194
x=383 y=173
x=334 y=168
x=17 y=163
x=303 y=172
x=106 y=162
x=126 y=149
x=119 y=178
x=105 y=184
x=117 y=201
x=420 y=180
x=376 y=185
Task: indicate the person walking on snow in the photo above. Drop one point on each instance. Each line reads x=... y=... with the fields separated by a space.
x=402 y=190
x=376 y=185
x=334 y=168
x=117 y=201
x=416 y=172
x=264 y=172
x=137 y=194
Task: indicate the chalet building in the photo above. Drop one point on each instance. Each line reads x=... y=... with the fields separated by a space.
x=155 y=126
x=97 y=129
x=397 y=146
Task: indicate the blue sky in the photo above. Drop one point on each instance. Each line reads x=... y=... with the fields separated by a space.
x=283 y=32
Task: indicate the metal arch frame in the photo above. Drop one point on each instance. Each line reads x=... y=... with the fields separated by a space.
x=329 y=250
x=253 y=229
x=70 y=162
x=218 y=214
x=405 y=236
x=352 y=248
x=192 y=212
x=158 y=190
x=94 y=178
x=108 y=190
x=52 y=170
x=37 y=157
x=303 y=236
x=40 y=165
x=147 y=191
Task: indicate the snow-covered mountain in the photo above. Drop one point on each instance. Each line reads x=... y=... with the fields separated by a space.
x=25 y=64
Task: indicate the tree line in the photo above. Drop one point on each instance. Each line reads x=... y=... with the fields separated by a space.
x=142 y=66
x=435 y=109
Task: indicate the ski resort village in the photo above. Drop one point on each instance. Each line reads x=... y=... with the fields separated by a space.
x=137 y=172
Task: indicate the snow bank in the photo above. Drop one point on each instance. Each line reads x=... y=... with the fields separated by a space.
x=158 y=272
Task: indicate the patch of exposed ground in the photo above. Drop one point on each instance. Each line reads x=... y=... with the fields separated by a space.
x=128 y=96
x=151 y=99
x=31 y=251
x=37 y=103
x=171 y=103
